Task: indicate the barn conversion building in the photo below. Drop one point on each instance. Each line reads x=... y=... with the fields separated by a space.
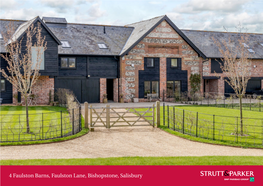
x=148 y=57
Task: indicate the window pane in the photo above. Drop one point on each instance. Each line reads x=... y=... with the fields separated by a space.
x=177 y=87
x=170 y=88
x=72 y=63
x=38 y=57
x=2 y=87
x=147 y=88
x=155 y=87
x=150 y=62
x=64 y=62
x=173 y=62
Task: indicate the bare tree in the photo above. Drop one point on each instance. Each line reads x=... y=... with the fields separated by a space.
x=23 y=71
x=236 y=65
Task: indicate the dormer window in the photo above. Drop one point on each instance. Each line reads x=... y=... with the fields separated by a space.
x=102 y=46
x=65 y=44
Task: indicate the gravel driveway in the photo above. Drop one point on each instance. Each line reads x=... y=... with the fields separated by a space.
x=120 y=142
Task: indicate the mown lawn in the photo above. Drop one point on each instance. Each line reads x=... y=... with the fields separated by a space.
x=203 y=160
x=45 y=122
x=214 y=124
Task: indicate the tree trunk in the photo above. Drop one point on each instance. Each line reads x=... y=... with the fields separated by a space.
x=241 y=115
x=27 y=120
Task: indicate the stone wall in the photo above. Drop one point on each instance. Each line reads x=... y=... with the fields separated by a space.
x=163 y=42
x=256 y=69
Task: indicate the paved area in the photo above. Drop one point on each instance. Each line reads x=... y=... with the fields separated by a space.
x=123 y=142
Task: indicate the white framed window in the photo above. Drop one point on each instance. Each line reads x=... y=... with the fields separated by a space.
x=102 y=46
x=38 y=55
x=65 y=44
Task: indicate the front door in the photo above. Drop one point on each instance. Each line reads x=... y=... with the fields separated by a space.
x=110 y=89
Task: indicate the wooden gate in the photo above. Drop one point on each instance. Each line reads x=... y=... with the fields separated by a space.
x=120 y=117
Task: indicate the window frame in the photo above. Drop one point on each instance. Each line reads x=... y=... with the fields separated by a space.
x=3 y=86
x=151 y=87
x=66 y=41
x=68 y=63
x=173 y=88
x=176 y=63
x=148 y=58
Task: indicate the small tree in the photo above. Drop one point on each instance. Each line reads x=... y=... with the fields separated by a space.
x=23 y=73
x=236 y=65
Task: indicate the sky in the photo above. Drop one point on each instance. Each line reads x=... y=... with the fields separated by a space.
x=213 y=15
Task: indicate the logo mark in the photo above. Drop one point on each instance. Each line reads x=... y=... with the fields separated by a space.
x=226 y=173
x=252 y=179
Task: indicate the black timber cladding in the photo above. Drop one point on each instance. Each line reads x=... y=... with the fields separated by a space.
x=91 y=66
x=177 y=74
x=149 y=74
x=84 y=89
x=216 y=64
x=50 y=54
x=6 y=95
x=103 y=67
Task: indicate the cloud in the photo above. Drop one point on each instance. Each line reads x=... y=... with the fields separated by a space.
x=7 y=4
x=197 y=6
x=95 y=11
x=90 y=15
x=26 y=14
x=62 y=6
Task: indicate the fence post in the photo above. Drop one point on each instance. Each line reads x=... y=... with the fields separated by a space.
x=153 y=115
x=250 y=103
x=237 y=129
x=168 y=124
x=86 y=115
x=73 y=121
x=183 y=121
x=174 y=116
x=42 y=125
x=19 y=129
x=213 y=127
x=108 y=116
x=61 y=124
x=91 y=124
x=158 y=113
x=163 y=114
x=196 y=124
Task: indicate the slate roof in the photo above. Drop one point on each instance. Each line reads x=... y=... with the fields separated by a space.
x=84 y=38
x=5 y=23
x=204 y=41
x=140 y=29
x=21 y=29
x=143 y=28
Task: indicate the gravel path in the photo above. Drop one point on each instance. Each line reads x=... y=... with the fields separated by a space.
x=120 y=142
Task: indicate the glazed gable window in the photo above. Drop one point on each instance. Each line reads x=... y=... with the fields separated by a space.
x=38 y=55
x=68 y=62
x=174 y=63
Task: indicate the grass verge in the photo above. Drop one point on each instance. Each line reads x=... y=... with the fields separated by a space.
x=203 y=160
